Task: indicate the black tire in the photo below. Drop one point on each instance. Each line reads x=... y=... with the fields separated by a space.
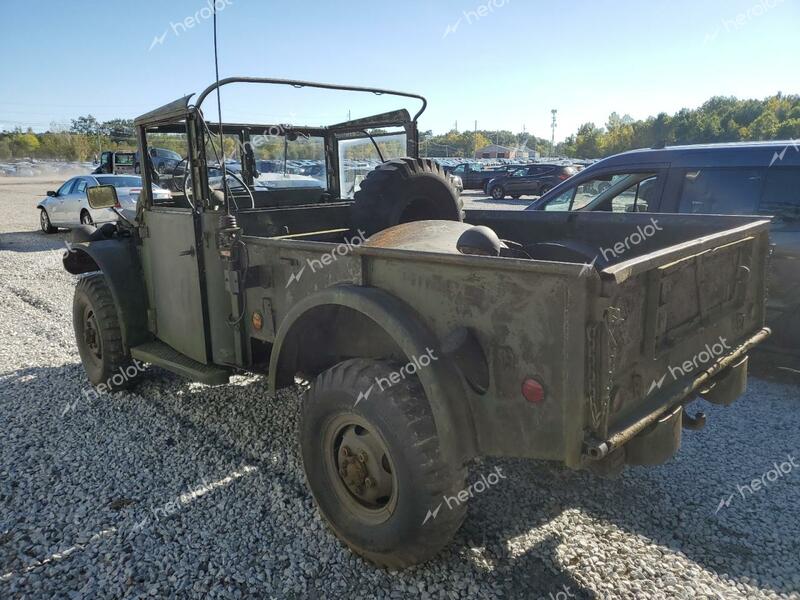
x=99 y=336
x=497 y=192
x=403 y=527
x=515 y=196
x=403 y=190
x=86 y=218
x=44 y=222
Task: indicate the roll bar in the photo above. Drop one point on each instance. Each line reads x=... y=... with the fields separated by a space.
x=312 y=84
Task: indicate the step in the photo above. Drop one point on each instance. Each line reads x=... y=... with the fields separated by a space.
x=160 y=354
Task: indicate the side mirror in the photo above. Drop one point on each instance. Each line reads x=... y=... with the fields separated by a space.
x=51 y=193
x=102 y=196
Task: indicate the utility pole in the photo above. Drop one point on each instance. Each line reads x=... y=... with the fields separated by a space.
x=475 y=140
x=553 y=135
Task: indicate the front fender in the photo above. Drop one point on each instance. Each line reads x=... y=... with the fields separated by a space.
x=440 y=380
x=118 y=260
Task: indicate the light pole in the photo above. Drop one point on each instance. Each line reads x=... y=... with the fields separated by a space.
x=553 y=135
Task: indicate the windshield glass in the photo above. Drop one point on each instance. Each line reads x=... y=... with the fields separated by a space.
x=290 y=160
x=358 y=156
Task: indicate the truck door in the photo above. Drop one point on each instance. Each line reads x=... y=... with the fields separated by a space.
x=170 y=258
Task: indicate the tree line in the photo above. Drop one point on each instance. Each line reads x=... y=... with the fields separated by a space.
x=720 y=119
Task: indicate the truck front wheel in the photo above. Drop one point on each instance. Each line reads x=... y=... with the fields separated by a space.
x=99 y=336
x=373 y=462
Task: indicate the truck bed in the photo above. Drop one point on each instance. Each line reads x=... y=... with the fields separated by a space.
x=617 y=315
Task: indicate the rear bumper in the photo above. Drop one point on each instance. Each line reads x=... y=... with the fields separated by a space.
x=721 y=383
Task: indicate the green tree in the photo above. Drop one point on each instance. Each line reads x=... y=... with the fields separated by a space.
x=87 y=125
x=24 y=144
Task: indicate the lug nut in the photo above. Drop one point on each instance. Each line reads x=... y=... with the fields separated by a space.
x=362 y=456
x=369 y=482
x=346 y=451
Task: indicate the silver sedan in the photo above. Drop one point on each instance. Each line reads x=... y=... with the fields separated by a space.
x=68 y=206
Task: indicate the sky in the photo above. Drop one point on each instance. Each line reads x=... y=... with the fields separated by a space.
x=502 y=63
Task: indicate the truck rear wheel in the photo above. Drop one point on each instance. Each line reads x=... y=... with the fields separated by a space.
x=403 y=190
x=372 y=460
x=99 y=336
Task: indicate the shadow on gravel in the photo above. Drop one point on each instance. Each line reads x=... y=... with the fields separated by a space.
x=234 y=421
x=638 y=503
x=33 y=241
x=774 y=365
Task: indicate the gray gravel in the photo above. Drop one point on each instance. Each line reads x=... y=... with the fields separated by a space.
x=181 y=490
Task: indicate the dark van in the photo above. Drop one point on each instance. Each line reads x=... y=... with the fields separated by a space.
x=746 y=178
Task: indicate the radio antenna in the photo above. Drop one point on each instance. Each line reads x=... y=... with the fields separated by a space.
x=225 y=190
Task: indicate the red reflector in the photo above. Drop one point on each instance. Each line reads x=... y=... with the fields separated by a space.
x=533 y=391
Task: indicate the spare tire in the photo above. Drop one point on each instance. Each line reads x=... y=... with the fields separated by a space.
x=404 y=190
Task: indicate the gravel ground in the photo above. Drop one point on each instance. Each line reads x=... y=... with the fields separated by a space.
x=180 y=490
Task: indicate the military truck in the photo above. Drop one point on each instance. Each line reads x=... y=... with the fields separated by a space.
x=116 y=163
x=426 y=337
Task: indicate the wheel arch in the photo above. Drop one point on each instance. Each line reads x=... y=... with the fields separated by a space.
x=118 y=261
x=379 y=323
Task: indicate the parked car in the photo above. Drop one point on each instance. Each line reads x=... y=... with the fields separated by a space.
x=474 y=176
x=532 y=180
x=163 y=159
x=68 y=206
x=745 y=178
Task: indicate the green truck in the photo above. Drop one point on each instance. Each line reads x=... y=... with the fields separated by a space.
x=427 y=336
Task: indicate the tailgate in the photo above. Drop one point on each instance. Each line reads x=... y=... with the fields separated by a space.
x=666 y=318
x=696 y=292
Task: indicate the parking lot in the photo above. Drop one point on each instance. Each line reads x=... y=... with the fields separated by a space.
x=184 y=489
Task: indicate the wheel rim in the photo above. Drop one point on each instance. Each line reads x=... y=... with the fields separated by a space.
x=86 y=219
x=497 y=193
x=361 y=468
x=44 y=221
x=91 y=334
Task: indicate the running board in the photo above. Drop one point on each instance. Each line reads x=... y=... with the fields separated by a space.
x=166 y=357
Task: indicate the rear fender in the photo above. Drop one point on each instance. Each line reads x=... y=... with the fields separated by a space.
x=399 y=322
x=119 y=262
